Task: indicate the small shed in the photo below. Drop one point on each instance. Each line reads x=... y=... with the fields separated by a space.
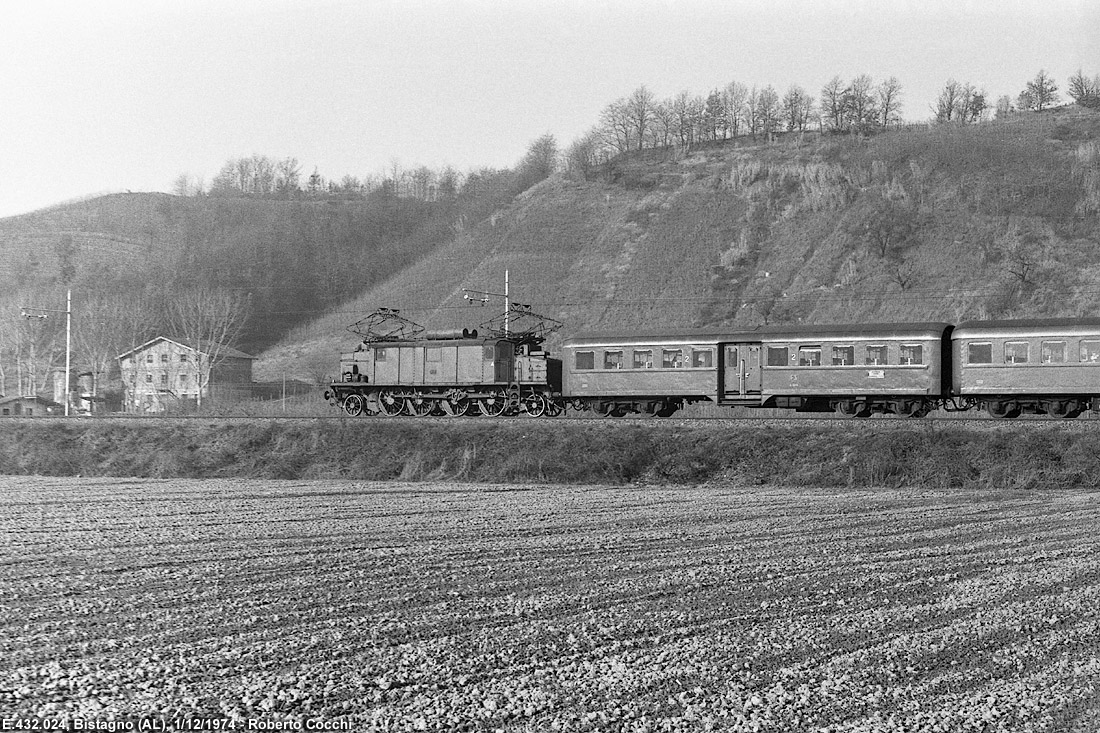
x=32 y=406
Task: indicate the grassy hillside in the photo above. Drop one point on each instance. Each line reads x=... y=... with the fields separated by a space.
x=996 y=220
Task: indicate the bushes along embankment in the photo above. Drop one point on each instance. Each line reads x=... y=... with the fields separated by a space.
x=853 y=455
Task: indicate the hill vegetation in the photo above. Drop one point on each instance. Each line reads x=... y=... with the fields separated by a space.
x=951 y=222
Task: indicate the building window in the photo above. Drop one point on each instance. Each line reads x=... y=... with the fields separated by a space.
x=183 y=358
x=1090 y=352
x=149 y=358
x=149 y=378
x=876 y=354
x=1053 y=352
x=183 y=380
x=844 y=355
x=585 y=360
x=1016 y=352
x=612 y=360
x=164 y=379
x=643 y=359
x=809 y=356
x=777 y=356
x=702 y=358
x=672 y=358
x=164 y=358
x=911 y=354
x=979 y=353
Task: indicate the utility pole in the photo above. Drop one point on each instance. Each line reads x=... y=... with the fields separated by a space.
x=42 y=314
x=469 y=295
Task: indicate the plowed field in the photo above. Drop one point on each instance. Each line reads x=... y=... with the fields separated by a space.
x=468 y=607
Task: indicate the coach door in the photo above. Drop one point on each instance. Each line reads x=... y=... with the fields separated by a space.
x=741 y=370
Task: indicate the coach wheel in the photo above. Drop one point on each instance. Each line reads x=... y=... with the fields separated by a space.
x=535 y=405
x=418 y=405
x=554 y=407
x=853 y=408
x=911 y=408
x=354 y=404
x=665 y=409
x=494 y=405
x=1007 y=409
x=390 y=403
x=1063 y=409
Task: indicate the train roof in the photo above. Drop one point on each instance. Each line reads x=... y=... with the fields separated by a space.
x=1028 y=327
x=795 y=332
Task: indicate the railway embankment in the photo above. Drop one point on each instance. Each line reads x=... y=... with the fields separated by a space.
x=850 y=454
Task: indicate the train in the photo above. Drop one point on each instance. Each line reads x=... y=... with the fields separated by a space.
x=1007 y=368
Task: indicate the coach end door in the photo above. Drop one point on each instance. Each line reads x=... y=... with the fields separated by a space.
x=741 y=371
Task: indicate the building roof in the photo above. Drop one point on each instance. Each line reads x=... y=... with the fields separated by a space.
x=223 y=350
x=36 y=398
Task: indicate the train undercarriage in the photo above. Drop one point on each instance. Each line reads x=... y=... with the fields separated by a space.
x=490 y=401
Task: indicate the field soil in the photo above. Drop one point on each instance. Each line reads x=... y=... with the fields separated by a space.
x=398 y=606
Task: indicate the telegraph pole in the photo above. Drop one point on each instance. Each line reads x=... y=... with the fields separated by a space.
x=42 y=314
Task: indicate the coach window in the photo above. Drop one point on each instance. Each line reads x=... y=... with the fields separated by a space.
x=672 y=358
x=843 y=355
x=1015 y=352
x=979 y=353
x=379 y=354
x=586 y=360
x=643 y=358
x=612 y=360
x=911 y=354
x=1090 y=352
x=876 y=354
x=702 y=358
x=809 y=356
x=777 y=356
x=1053 y=352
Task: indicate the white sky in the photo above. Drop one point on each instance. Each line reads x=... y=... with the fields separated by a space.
x=111 y=95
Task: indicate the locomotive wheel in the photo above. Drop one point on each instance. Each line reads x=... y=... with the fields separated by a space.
x=354 y=404
x=456 y=408
x=494 y=405
x=535 y=405
x=390 y=403
x=418 y=405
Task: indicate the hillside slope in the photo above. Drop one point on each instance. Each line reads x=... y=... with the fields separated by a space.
x=997 y=220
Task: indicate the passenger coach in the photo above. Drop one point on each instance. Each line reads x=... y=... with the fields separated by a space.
x=1049 y=367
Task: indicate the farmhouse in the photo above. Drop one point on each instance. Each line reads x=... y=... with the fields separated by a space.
x=170 y=375
x=30 y=406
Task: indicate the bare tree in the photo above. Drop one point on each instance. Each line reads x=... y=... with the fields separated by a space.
x=1040 y=93
x=948 y=102
x=1004 y=107
x=106 y=325
x=734 y=100
x=287 y=176
x=768 y=110
x=616 y=127
x=1084 y=91
x=686 y=110
x=640 y=112
x=833 y=103
x=208 y=320
x=888 y=98
x=859 y=103
x=797 y=108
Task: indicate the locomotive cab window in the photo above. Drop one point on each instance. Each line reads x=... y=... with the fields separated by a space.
x=585 y=360
x=809 y=356
x=379 y=354
x=1016 y=352
x=433 y=353
x=979 y=353
x=643 y=358
x=876 y=354
x=1053 y=352
x=911 y=354
x=702 y=358
x=1090 y=352
x=612 y=360
x=672 y=358
x=843 y=355
x=777 y=356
